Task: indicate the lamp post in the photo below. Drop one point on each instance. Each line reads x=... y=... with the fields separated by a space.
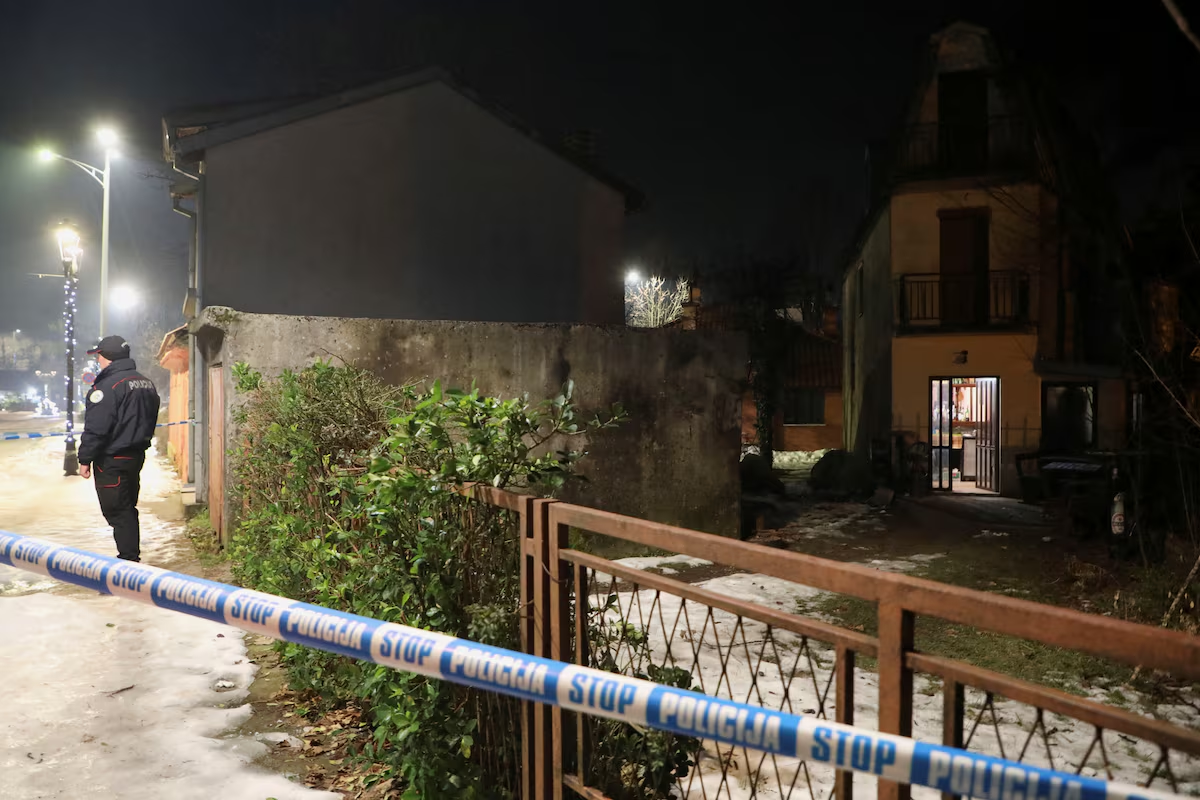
x=107 y=138
x=15 y=332
x=68 y=252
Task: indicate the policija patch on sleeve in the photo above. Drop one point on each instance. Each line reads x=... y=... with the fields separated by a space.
x=96 y=396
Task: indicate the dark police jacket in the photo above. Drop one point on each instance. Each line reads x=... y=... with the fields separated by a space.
x=122 y=410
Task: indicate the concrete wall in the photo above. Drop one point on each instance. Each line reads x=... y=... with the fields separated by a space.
x=867 y=339
x=674 y=461
x=417 y=205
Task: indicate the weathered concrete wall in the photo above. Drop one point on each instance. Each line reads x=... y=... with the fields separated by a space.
x=867 y=339
x=674 y=461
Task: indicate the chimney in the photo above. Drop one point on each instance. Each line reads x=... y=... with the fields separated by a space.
x=691 y=309
x=829 y=322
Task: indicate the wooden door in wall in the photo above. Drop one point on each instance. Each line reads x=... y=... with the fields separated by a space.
x=215 y=420
x=987 y=434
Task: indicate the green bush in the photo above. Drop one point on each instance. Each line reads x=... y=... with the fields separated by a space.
x=17 y=403
x=346 y=491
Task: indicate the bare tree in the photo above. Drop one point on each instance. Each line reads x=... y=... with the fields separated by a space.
x=1181 y=21
x=654 y=302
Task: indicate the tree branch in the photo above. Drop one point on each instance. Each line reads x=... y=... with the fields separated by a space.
x=1164 y=385
x=1182 y=22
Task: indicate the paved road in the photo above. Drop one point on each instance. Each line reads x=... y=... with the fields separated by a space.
x=104 y=698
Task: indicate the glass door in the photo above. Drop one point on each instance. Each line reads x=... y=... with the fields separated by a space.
x=988 y=434
x=941 y=430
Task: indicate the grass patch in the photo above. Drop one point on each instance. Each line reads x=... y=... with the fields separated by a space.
x=1008 y=655
x=204 y=540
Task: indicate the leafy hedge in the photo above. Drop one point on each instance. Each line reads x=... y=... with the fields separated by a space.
x=346 y=496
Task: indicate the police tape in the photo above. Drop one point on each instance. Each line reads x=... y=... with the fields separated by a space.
x=575 y=688
x=10 y=436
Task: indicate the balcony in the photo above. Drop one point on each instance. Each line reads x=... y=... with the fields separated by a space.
x=936 y=302
x=1000 y=145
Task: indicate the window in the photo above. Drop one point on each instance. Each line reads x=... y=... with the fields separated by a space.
x=804 y=407
x=1068 y=416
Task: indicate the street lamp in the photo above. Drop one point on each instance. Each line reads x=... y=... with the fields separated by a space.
x=107 y=138
x=125 y=297
x=69 y=252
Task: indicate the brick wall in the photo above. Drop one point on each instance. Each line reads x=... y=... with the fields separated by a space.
x=798 y=437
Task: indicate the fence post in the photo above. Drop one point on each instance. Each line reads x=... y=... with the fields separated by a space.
x=560 y=581
x=953 y=702
x=844 y=780
x=540 y=781
x=895 y=681
x=527 y=623
x=583 y=740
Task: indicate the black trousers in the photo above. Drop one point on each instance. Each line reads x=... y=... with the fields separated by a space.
x=118 y=482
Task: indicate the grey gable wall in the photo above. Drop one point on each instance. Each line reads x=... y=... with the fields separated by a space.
x=416 y=205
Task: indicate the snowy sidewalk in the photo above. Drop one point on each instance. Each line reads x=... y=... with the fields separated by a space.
x=105 y=698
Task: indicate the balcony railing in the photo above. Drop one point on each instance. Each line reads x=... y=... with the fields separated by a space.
x=940 y=150
x=934 y=300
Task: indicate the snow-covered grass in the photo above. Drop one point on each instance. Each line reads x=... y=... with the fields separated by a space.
x=665 y=565
x=740 y=661
x=797 y=460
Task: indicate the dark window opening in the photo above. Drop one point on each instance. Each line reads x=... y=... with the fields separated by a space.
x=963 y=120
x=804 y=407
x=1068 y=416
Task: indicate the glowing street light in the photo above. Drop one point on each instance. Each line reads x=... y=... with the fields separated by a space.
x=107 y=138
x=125 y=297
x=633 y=277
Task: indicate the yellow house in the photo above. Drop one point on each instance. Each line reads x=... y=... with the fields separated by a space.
x=979 y=315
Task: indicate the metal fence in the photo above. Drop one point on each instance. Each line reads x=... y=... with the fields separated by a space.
x=587 y=610
x=647 y=708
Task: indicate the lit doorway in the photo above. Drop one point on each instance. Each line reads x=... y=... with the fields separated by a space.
x=964 y=434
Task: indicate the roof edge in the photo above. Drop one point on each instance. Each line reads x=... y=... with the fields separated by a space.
x=191 y=148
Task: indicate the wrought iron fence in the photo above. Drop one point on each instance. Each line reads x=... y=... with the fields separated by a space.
x=992 y=299
x=582 y=608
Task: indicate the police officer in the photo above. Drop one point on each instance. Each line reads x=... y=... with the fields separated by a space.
x=118 y=425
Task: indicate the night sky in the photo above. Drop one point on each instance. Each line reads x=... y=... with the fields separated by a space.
x=746 y=127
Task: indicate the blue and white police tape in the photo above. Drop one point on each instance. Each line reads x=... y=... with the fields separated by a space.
x=11 y=436
x=572 y=687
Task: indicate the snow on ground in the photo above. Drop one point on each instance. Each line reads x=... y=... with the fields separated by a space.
x=666 y=565
x=746 y=667
x=108 y=698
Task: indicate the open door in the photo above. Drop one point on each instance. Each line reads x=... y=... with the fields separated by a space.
x=941 y=430
x=987 y=434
